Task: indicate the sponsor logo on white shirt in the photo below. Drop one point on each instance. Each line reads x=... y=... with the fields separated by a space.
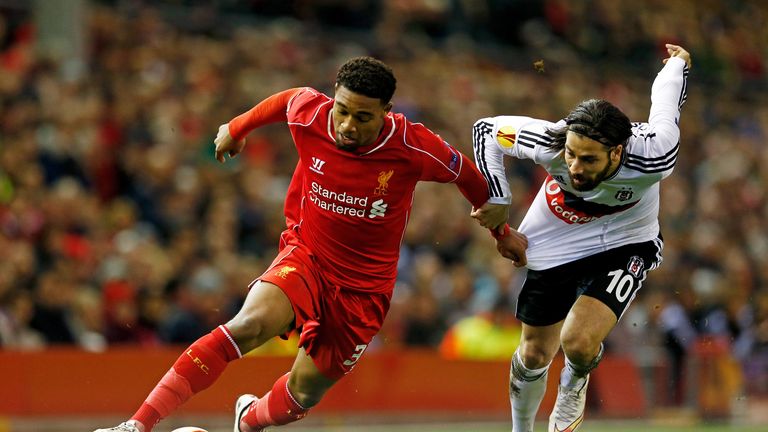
x=556 y=202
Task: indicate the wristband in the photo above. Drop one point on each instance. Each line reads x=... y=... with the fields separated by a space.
x=497 y=236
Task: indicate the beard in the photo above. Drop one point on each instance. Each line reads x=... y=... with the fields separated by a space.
x=587 y=184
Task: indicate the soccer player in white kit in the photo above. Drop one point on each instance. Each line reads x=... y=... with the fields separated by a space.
x=593 y=231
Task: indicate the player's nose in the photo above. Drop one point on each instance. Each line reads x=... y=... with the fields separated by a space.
x=347 y=126
x=576 y=167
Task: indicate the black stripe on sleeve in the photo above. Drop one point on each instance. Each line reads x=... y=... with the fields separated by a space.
x=641 y=159
x=653 y=167
x=479 y=132
x=649 y=171
x=531 y=139
x=684 y=92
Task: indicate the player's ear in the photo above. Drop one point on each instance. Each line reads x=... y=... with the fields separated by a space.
x=388 y=107
x=616 y=153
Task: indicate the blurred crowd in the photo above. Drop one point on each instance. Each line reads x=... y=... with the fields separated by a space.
x=117 y=226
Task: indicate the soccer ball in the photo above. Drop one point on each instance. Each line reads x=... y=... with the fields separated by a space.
x=189 y=429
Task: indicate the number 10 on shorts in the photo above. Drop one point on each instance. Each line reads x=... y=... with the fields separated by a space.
x=359 y=350
x=622 y=285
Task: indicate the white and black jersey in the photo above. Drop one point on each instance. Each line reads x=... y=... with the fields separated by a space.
x=564 y=224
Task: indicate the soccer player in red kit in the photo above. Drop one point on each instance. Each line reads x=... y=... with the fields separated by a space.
x=346 y=209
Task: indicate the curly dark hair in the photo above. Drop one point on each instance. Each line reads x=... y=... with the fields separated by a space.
x=597 y=119
x=369 y=77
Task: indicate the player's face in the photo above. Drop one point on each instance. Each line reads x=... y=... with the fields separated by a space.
x=589 y=162
x=357 y=119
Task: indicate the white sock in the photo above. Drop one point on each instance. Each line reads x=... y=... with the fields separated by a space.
x=526 y=390
x=569 y=378
x=573 y=376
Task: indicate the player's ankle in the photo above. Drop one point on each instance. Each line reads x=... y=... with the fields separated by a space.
x=139 y=425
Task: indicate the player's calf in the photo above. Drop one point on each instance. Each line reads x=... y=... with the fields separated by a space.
x=526 y=390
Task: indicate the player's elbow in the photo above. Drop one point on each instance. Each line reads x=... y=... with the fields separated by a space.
x=482 y=123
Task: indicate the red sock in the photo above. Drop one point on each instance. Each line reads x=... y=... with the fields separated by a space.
x=195 y=370
x=277 y=407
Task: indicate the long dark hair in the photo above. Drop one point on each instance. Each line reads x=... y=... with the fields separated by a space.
x=597 y=119
x=369 y=77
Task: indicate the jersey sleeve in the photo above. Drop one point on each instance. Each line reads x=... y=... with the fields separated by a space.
x=441 y=162
x=270 y=110
x=517 y=136
x=654 y=145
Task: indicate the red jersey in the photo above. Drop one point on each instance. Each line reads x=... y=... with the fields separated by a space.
x=351 y=208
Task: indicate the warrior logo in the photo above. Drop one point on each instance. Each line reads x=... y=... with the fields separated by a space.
x=317 y=165
x=384 y=177
x=284 y=271
x=635 y=266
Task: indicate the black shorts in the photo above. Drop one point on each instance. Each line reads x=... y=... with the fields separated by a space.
x=612 y=277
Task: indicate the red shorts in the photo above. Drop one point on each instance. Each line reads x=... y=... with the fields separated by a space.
x=336 y=325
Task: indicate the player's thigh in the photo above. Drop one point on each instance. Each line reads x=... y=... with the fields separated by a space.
x=267 y=312
x=586 y=326
x=284 y=297
x=307 y=383
x=340 y=337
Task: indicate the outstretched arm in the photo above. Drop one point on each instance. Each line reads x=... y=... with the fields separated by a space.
x=654 y=147
x=230 y=139
x=668 y=93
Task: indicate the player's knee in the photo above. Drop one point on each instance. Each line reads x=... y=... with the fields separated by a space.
x=534 y=355
x=307 y=392
x=248 y=331
x=307 y=399
x=579 y=347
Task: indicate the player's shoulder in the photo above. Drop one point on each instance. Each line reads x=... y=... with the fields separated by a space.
x=510 y=131
x=534 y=132
x=413 y=133
x=511 y=121
x=424 y=147
x=638 y=142
x=645 y=155
x=640 y=127
x=305 y=106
